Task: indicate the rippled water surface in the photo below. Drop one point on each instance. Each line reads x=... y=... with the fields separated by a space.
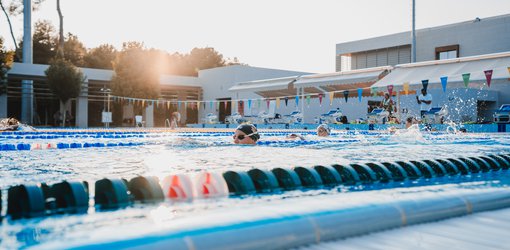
x=161 y=154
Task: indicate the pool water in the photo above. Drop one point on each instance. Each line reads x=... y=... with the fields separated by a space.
x=161 y=153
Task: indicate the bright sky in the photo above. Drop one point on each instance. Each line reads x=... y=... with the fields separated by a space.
x=284 y=34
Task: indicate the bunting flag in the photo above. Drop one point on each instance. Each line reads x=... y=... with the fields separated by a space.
x=320 y=100
x=465 y=77
x=390 y=89
x=360 y=93
x=210 y=104
x=488 y=76
x=444 y=81
x=258 y=103
x=218 y=105
x=297 y=100
x=268 y=102
x=346 y=95
x=143 y=103
x=373 y=91
x=425 y=84
x=286 y=101
x=198 y=105
x=406 y=88
x=277 y=102
x=168 y=105
x=234 y=106
x=331 y=97
x=204 y=105
x=178 y=105
x=308 y=100
x=249 y=104
x=508 y=70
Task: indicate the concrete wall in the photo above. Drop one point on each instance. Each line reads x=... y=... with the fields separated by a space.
x=489 y=35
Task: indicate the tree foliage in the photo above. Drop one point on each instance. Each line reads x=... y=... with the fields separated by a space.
x=135 y=75
x=64 y=79
x=6 y=59
x=74 y=50
x=101 y=57
x=44 y=42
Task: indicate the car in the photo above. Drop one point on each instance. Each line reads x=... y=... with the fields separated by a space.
x=502 y=115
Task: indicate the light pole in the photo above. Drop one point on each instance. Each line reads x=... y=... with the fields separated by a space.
x=106 y=115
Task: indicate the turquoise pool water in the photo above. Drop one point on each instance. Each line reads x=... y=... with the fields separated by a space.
x=162 y=153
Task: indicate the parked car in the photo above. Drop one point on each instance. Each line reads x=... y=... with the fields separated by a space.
x=502 y=115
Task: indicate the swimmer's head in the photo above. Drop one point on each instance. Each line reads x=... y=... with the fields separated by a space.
x=323 y=130
x=246 y=134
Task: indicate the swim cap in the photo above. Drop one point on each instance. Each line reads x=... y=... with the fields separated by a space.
x=324 y=126
x=249 y=129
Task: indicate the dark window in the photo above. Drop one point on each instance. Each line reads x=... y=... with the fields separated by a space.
x=447 y=52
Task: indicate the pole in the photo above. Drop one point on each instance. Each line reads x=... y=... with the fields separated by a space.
x=27 y=87
x=413 y=46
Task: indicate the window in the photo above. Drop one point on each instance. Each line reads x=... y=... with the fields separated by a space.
x=345 y=62
x=447 y=52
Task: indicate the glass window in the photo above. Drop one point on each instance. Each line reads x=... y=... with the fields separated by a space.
x=447 y=54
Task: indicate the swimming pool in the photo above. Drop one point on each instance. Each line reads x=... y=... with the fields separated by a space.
x=126 y=154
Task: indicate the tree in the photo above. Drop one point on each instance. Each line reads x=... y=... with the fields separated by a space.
x=74 y=50
x=43 y=42
x=135 y=75
x=64 y=80
x=6 y=59
x=101 y=57
x=205 y=58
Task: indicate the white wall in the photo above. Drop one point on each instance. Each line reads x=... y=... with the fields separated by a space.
x=216 y=83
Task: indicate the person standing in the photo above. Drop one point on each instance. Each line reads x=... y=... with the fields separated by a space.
x=425 y=101
x=387 y=103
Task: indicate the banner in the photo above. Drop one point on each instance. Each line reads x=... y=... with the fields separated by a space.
x=297 y=100
x=168 y=105
x=406 y=88
x=390 y=89
x=444 y=81
x=308 y=100
x=425 y=84
x=488 y=76
x=249 y=104
x=465 y=77
x=198 y=106
x=360 y=93
x=320 y=100
x=277 y=102
x=258 y=103
x=346 y=95
x=204 y=105
x=331 y=97
x=268 y=102
x=286 y=101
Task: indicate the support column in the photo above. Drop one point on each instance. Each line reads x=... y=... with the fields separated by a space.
x=181 y=96
x=27 y=87
x=149 y=116
x=3 y=105
x=82 y=106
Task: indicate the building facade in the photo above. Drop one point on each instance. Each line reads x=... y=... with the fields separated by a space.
x=469 y=38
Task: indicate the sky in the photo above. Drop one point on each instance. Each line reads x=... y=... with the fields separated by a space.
x=294 y=35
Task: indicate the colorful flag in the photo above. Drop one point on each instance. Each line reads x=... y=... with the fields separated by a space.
x=465 y=77
x=360 y=93
x=390 y=89
x=297 y=100
x=488 y=76
x=286 y=101
x=406 y=88
x=346 y=95
x=258 y=103
x=444 y=81
x=320 y=100
x=425 y=84
x=268 y=101
x=308 y=100
x=331 y=97
x=277 y=102
x=249 y=104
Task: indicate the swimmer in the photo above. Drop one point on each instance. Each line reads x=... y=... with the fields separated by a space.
x=295 y=136
x=246 y=134
x=323 y=130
